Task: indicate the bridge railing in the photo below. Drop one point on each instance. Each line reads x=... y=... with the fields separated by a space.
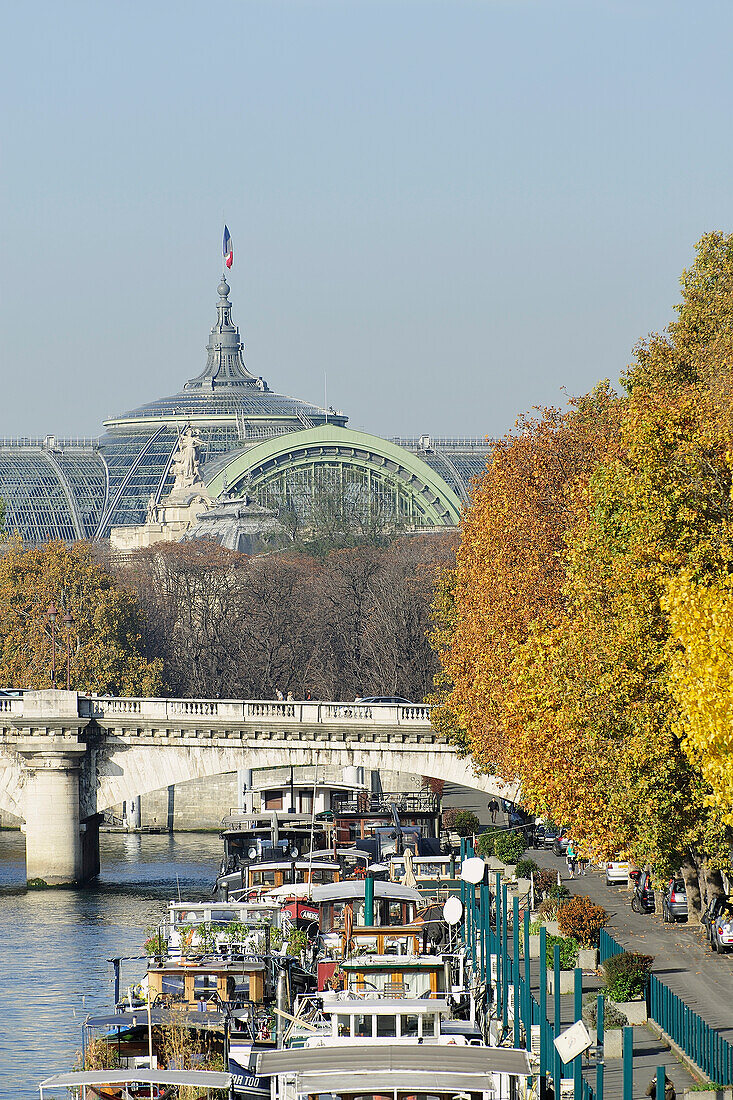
x=307 y=712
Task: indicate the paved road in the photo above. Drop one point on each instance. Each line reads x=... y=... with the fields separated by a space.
x=682 y=958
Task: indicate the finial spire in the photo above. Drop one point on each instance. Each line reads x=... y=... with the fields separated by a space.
x=225 y=359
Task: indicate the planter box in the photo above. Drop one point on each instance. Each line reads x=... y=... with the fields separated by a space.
x=588 y=958
x=613 y=1043
x=713 y=1094
x=534 y=947
x=567 y=981
x=634 y=1011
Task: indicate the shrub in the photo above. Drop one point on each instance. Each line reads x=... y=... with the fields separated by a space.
x=466 y=823
x=558 y=891
x=449 y=817
x=568 y=952
x=583 y=920
x=548 y=909
x=543 y=883
x=485 y=844
x=627 y=974
x=612 y=1016
x=510 y=846
x=526 y=867
x=155 y=944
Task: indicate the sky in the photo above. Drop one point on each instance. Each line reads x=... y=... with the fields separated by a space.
x=444 y=212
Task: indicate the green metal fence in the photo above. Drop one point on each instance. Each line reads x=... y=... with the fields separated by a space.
x=685 y=1027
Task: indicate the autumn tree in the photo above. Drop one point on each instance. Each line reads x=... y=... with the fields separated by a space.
x=104 y=636
x=557 y=655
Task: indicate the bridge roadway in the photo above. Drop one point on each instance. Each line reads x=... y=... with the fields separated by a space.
x=65 y=758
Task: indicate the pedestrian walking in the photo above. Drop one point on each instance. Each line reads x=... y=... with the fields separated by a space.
x=669 y=1089
x=572 y=858
x=493 y=807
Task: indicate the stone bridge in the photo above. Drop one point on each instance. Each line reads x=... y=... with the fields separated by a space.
x=65 y=758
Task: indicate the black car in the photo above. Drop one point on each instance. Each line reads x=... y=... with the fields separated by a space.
x=383 y=699
x=642 y=899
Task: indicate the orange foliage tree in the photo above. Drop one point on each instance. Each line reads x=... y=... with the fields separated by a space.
x=104 y=640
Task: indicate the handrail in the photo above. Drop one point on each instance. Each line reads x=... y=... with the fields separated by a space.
x=290 y=712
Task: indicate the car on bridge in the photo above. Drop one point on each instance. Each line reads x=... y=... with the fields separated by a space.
x=383 y=699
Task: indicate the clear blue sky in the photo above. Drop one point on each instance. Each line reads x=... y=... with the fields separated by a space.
x=455 y=210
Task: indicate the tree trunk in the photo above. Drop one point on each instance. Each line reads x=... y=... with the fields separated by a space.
x=692 y=887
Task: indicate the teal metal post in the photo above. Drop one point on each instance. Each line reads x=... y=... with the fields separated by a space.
x=485 y=931
x=515 y=974
x=628 y=1063
x=505 y=956
x=661 y=1075
x=578 y=1015
x=527 y=986
x=544 y=1052
x=557 y=1015
x=600 y=1027
x=557 y=1021
x=499 y=951
x=369 y=901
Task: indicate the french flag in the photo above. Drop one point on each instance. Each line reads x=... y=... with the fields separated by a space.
x=228 y=248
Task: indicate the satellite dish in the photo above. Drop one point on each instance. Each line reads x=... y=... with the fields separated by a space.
x=294 y=851
x=573 y=1041
x=472 y=870
x=453 y=910
x=252 y=852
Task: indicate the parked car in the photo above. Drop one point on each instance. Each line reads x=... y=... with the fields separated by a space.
x=382 y=699
x=718 y=922
x=551 y=833
x=674 y=901
x=642 y=899
x=562 y=840
x=538 y=835
x=617 y=872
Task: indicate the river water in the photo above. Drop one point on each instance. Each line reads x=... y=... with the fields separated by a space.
x=54 y=944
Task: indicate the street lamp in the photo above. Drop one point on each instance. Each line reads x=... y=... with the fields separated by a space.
x=51 y=613
x=68 y=621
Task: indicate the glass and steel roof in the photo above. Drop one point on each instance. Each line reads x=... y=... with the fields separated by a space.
x=72 y=489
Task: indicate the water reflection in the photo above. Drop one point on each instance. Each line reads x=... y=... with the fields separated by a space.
x=55 y=944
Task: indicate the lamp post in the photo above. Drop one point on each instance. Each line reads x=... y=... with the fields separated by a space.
x=68 y=621
x=51 y=613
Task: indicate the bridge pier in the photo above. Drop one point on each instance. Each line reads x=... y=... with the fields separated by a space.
x=60 y=850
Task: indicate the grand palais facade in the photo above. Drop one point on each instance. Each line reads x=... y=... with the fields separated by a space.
x=241 y=441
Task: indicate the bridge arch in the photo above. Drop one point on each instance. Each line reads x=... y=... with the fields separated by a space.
x=125 y=772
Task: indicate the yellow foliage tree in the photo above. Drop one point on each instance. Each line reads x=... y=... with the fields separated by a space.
x=701 y=621
x=104 y=641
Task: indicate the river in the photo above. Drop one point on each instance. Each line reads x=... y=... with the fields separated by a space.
x=54 y=944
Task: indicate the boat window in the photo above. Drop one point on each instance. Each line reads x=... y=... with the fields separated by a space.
x=241 y=986
x=386 y=1026
x=172 y=983
x=344 y=1025
x=274 y=800
x=306 y=802
x=409 y=1025
x=204 y=983
x=428 y=1024
x=223 y=916
x=395 y=912
x=189 y=916
x=262 y=878
x=363 y=1026
x=338 y=910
